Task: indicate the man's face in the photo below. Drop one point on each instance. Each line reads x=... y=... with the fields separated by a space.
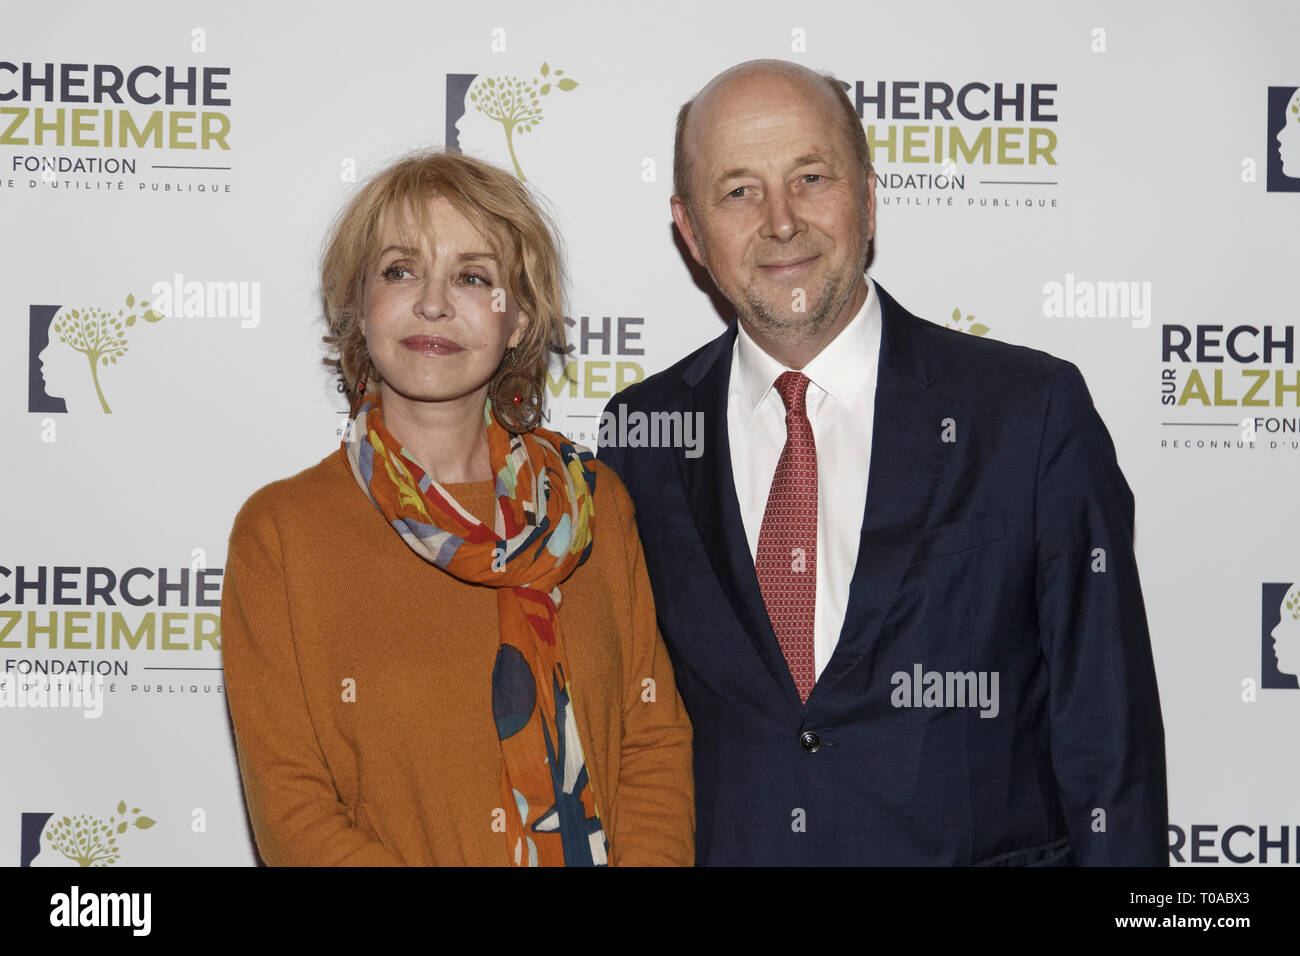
x=781 y=216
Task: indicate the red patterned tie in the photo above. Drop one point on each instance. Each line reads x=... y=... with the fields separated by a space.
x=787 y=543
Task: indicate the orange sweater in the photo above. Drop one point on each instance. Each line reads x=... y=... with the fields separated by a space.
x=321 y=596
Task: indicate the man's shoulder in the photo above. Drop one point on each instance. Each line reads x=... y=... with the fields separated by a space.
x=669 y=387
x=961 y=361
x=912 y=345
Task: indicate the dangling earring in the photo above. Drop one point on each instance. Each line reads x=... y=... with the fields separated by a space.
x=515 y=396
x=360 y=395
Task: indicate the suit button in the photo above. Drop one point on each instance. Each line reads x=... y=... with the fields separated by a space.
x=809 y=742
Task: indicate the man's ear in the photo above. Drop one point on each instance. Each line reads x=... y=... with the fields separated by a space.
x=682 y=217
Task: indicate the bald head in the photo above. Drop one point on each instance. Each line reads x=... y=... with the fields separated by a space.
x=818 y=91
x=775 y=198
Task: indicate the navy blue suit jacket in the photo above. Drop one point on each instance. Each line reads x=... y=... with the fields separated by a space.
x=1007 y=550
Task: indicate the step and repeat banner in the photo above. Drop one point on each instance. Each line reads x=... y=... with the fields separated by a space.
x=1118 y=185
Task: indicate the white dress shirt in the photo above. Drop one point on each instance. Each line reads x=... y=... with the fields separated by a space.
x=841 y=403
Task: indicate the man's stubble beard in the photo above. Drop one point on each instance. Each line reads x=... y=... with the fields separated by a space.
x=796 y=329
x=799 y=327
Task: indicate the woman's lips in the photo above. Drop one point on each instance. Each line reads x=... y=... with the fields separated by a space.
x=431 y=344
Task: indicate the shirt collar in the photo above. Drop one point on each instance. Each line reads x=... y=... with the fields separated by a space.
x=838 y=369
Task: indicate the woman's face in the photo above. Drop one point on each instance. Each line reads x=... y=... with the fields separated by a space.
x=438 y=318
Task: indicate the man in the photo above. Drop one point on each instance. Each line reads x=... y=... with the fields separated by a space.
x=941 y=658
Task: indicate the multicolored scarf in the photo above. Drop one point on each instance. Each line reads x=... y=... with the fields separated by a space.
x=544 y=523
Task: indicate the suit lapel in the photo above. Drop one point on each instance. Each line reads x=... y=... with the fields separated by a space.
x=711 y=492
x=907 y=458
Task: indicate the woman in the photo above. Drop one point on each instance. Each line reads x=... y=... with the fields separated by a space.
x=440 y=642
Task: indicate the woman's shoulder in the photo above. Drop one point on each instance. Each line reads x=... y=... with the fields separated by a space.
x=607 y=480
x=309 y=492
x=611 y=493
x=616 y=531
x=608 y=491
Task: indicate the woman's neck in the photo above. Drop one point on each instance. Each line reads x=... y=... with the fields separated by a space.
x=448 y=439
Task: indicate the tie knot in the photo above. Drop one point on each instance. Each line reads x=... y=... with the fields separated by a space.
x=792 y=387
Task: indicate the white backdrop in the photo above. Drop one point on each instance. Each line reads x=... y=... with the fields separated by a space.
x=1167 y=175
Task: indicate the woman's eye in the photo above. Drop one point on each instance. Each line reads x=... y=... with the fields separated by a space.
x=394 y=273
x=473 y=278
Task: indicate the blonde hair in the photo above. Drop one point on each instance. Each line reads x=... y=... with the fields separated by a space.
x=495 y=202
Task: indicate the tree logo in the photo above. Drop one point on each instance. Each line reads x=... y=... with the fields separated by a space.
x=84 y=839
x=516 y=105
x=959 y=324
x=98 y=334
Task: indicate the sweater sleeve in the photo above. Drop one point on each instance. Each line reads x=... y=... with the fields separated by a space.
x=656 y=792
x=297 y=816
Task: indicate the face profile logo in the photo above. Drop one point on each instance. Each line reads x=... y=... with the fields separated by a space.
x=508 y=102
x=57 y=336
x=1283 y=149
x=1280 y=636
x=82 y=840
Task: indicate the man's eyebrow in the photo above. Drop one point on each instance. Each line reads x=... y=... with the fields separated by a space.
x=807 y=159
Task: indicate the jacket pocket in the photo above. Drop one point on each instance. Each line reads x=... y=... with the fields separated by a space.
x=1057 y=853
x=961 y=536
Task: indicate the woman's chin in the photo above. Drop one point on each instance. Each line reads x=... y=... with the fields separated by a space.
x=424 y=393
